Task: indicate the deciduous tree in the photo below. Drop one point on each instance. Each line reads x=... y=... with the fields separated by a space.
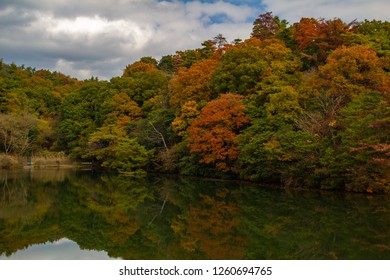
x=213 y=134
x=193 y=83
x=17 y=132
x=240 y=69
x=350 y=71
x=267 y=26
x=317 y=37
x=116 y=151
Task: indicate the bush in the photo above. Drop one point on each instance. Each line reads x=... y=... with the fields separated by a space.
x=8 y=161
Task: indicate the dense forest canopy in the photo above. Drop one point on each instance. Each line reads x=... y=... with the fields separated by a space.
x=303 y=105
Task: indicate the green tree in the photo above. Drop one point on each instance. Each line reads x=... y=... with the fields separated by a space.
x=82 y=112
x=284 y=106
x=374 y=34
x=166 y=64
x=110 y=146
x=184 y=59
x=240 y=69
x=220 y=41
x=141 y=81
x=360 y=161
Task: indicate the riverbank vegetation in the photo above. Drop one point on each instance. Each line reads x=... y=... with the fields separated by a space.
x=302 y=105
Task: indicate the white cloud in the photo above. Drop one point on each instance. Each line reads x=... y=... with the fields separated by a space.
x=95 y=30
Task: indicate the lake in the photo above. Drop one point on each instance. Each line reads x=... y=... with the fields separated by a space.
x=75 y=214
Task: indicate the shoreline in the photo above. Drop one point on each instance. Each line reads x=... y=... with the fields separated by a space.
x=12 y=162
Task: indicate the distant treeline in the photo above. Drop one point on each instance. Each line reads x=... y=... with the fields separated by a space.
x=302 y=105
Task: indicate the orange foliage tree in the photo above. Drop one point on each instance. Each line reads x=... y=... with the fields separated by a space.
x=123 y=110
x=193 y=83
x=352 y=70
x=213 y=134
x=212 y=224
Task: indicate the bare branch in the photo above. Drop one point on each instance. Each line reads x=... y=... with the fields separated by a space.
x=161 y=135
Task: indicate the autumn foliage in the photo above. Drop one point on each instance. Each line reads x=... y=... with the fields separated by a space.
x=213 y=133
x=304 y=104
x=193 y=84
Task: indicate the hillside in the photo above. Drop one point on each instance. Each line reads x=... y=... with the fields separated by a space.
x=302 y=105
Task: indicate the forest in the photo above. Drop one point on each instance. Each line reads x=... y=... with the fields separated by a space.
x=302 y=105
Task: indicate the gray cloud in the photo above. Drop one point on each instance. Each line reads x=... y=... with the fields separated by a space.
x=347 y=10
x=99 y=38
x=84 y=38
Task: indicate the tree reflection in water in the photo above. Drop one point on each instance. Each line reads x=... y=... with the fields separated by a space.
x=161 y=217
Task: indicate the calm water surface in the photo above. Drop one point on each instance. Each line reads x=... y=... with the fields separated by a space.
x=65 y=214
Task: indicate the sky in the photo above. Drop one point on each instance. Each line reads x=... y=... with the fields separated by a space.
x=85 y=38
x=62 y=249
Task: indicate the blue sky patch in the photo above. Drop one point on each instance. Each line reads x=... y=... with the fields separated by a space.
x=255 y=3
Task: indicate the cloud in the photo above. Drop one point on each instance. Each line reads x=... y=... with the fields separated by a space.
x=65 y=66
x=347 y=10
x=99 y=38
x=87 y=37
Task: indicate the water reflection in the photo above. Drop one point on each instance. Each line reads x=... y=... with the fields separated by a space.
x=63 y=249
x=177 y=218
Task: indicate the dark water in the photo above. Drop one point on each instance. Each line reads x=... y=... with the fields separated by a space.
x=64 y=214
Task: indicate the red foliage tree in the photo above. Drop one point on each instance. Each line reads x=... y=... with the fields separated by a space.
x=316 y=38
x=213 y=134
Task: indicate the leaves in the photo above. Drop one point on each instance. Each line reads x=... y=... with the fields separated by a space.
x=316 y=38
x=316 y=94
x=193 y=84
x=240 y=69
x=214 y=133
x=267 y=26
x=189 y=112
x=350 y=70
x=17 y=132
x=114 y=150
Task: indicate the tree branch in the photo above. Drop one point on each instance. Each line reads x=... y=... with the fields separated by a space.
x=161 y=135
